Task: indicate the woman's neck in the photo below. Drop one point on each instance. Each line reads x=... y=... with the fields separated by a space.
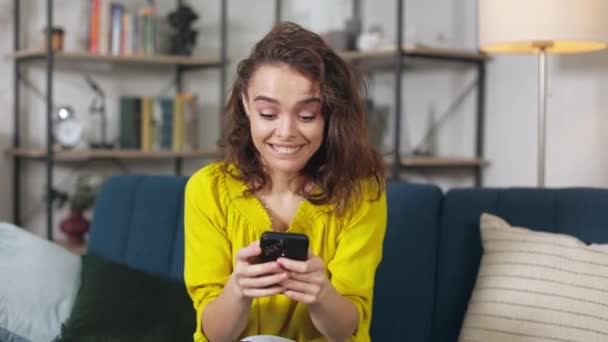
x=284 y=184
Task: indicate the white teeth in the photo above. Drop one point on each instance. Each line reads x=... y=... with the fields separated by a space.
x=285 y=149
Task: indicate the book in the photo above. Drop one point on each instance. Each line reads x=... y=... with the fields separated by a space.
x=104 y=27
x=147 y=124
x=115 y=29
x=130 y=122
x=117 y=11
x=191 y=122
x=126 y=38
x=160 y=124
x=177 y=140
x=146 y=28
x=94 y=18
x=165 y=126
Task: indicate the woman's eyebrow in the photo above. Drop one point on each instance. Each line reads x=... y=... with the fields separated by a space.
x=310 y=100
x=271 y=100
x=265 y=98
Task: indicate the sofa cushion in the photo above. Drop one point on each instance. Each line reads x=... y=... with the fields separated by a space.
x=138 y=221
x=537 y=285
x=9 y=336
x=404 y=288
x=38 y=284
x=118 y=303
x=579 y=212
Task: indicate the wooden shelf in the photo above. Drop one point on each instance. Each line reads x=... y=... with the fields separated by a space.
x=84 y=154
x=437 y=162
x=160 y=60
x=413 y=55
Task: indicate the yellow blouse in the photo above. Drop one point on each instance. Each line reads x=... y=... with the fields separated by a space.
x=219 y=220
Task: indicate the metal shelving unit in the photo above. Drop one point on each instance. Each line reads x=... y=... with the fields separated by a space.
x=412 y=56
x=403 y=57
x=49 y=154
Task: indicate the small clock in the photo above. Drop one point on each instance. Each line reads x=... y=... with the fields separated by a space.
x=67 y=130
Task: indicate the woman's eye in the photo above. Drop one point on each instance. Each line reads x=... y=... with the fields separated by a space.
x=307 y=117
x=268 y=116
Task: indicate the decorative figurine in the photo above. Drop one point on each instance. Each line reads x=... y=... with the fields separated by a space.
x=183 y=40
x=76 y=225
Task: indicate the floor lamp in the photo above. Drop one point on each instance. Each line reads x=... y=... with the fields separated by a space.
x=542 y=27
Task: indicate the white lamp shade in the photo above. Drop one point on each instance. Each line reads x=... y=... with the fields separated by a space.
x=561 y=26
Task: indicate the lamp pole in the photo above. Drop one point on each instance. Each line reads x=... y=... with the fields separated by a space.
x=542 y=109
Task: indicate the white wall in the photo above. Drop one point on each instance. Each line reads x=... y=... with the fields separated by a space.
x=577 y=118
x=577 y=121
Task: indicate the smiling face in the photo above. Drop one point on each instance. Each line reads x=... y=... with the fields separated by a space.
x=284 y=110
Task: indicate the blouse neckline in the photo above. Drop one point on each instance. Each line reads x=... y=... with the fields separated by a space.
x=253 y=210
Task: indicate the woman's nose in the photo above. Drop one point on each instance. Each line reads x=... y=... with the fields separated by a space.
x=286 y=126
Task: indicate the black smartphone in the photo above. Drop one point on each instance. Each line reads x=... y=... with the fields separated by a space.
x=280 y=244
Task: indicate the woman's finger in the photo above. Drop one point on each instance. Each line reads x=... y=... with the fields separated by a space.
x=245 y=253
x=311 y=265
x=261 y=282
x=264 y=292
x=299 y=286
x=294 y=265
x=311 y=278
x=256 y=270
x=299 y=297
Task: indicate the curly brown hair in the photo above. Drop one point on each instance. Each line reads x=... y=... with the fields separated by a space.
x=345 y=157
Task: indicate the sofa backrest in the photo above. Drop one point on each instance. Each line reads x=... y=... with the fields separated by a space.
x=580 y=212
x=405 y=280
x=138 y=221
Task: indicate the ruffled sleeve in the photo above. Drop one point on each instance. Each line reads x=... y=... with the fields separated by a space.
x=358 y=254
x=207 y=251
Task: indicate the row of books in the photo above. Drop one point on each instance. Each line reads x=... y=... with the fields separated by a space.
x=159 y=124
x=117 y=30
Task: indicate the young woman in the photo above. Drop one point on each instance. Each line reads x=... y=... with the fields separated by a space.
x=297 y=160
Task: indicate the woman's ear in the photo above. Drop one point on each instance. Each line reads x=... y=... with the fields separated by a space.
x=245 y=103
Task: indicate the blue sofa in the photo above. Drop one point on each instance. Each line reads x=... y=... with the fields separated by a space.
x=432 y=247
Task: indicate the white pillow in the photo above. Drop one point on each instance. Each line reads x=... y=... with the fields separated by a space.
x=537 y=286
x=38 y=286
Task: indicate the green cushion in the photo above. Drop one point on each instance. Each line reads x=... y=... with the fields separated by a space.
x=118 y=303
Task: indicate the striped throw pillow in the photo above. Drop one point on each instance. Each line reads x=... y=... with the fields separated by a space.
x=537 y=286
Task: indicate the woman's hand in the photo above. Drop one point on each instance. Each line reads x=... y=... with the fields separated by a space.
x=256 y=280
x=307 y=282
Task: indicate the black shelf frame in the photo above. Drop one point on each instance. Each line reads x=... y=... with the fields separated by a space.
x=49 y=160
x=400 y=56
